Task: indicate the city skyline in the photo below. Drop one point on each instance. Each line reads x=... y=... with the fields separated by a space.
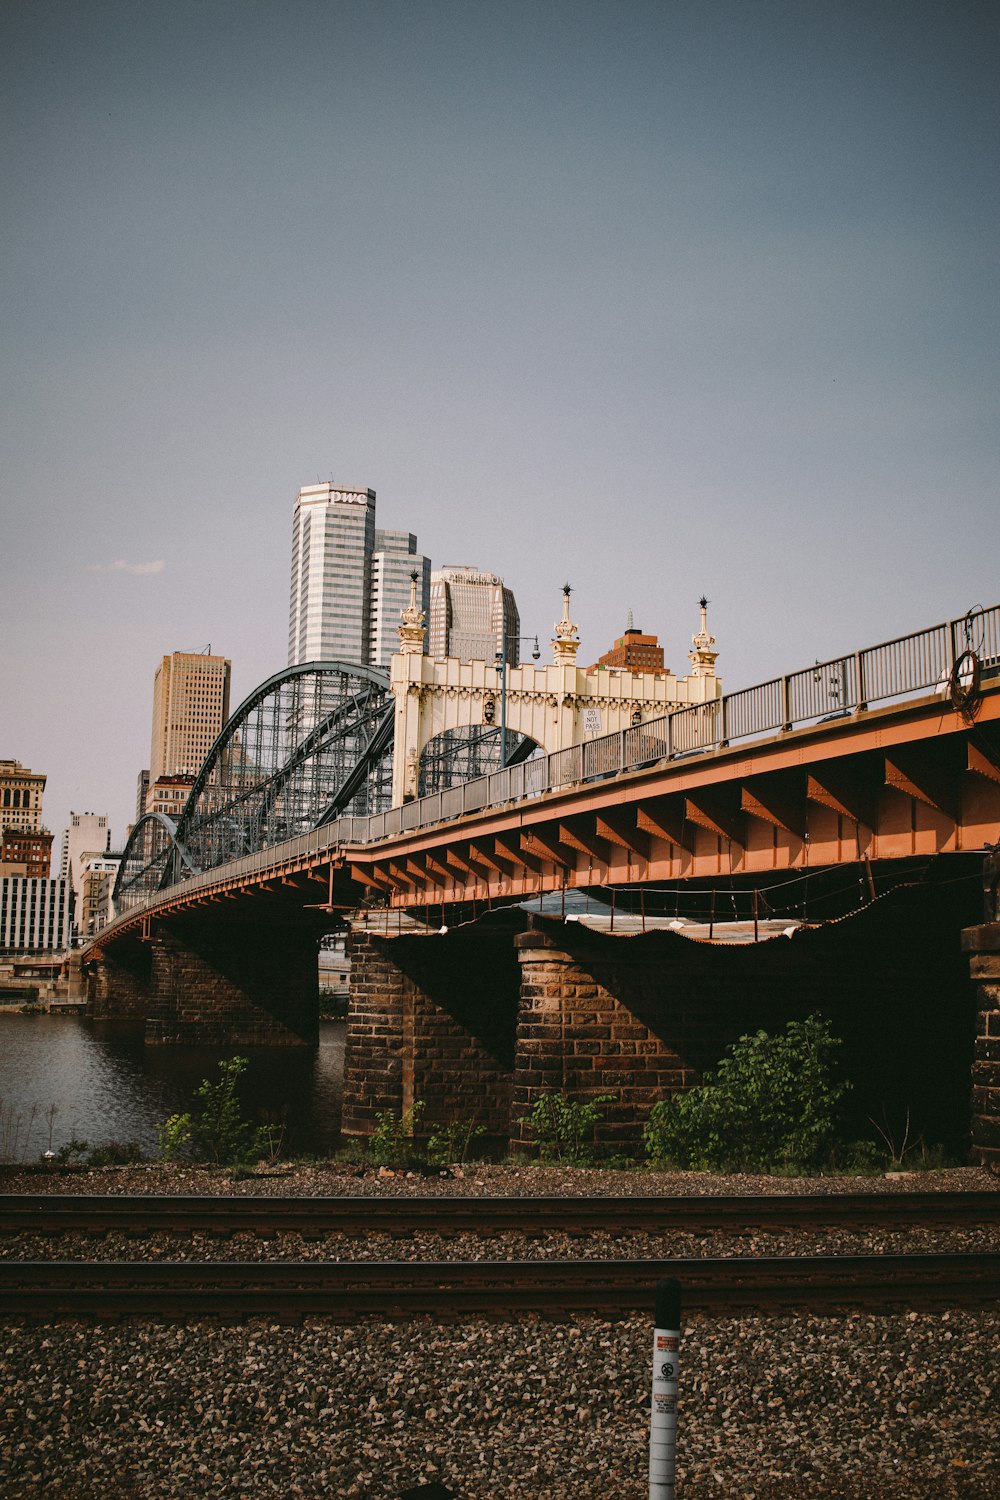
x=662 y=301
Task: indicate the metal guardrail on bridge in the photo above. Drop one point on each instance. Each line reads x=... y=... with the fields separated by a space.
x=948 y=658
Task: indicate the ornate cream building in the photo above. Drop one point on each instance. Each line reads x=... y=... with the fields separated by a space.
x=555 y=706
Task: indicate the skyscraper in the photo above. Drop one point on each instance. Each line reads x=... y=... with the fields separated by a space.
x=470 y=614
x=394 y=561
x=190 y=706
x=349 y=582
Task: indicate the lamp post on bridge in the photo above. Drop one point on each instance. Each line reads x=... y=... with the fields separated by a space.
x=501 y=660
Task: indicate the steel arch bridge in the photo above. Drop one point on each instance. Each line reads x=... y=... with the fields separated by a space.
x=312 y=742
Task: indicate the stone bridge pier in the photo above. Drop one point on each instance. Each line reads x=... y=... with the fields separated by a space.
x=118 y=988
x=235 y=984
x=982 y=943
x=479 y=1022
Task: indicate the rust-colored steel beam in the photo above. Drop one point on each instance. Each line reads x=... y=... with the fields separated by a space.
x=619 y=826
x=921 y=771
x=983 y=761
x=510 y=852
x=717 y=809
x=778 y=799
x=665 y=820
x=580 y=834
x=547 y=846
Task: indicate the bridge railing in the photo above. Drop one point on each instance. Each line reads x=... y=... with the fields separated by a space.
x=831 y=689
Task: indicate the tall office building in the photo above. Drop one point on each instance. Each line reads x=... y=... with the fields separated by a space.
x=350 y=581
x=470 y=614
x=347 y=578
x=190 y=706
x=394 y=562
x=333 y=538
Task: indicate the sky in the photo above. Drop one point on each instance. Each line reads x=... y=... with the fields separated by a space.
x=654 y=297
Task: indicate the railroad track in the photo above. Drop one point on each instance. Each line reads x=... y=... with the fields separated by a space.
x=455 y=1289
x=314 y=1217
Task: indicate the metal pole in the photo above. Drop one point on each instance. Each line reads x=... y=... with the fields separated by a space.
x=503 y=698
x=663 y=1404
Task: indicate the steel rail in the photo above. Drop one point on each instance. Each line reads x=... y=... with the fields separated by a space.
x=46 y=1213
x=352 y=1289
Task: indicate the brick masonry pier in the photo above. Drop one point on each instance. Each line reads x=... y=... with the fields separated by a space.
x=228 y=985
x=982 y=944
x=480 y=1021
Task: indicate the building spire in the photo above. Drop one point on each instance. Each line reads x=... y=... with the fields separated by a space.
x=411 y=629
x=566 y=642
x=703 y=658
x=629 y=623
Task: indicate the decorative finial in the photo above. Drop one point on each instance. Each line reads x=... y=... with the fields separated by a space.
x=411 y=630
x=566 y=642
x=703 y=658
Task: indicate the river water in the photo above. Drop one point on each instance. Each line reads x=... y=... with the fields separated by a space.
x=63 y=1077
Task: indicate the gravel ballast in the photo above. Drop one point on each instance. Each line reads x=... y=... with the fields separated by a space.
x=895 y=1407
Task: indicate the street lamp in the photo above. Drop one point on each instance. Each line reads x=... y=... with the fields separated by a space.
x=501 y=660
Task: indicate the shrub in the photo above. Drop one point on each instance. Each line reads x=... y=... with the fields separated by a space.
x=218 y=1132
x=453 y=1143
x=771 y=1104
x=564 y=1128
x=390 y=1143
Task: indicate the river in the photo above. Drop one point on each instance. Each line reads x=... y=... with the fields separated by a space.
x=65 y=1078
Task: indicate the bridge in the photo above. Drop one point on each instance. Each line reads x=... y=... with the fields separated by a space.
x=884 y=763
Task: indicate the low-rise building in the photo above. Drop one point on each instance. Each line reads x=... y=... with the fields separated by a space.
x=35 y=914
x=26 y=852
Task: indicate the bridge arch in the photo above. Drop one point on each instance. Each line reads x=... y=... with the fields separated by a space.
x=154 y=857
x=311 y=742
x=467 y=752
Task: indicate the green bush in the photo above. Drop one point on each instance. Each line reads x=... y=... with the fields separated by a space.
x=391 y=1142
x=772 y=1104
x=453 y=1143
x=217 y=1132
x=564 y=1128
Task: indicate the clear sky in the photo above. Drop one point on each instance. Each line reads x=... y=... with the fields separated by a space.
x=659 y=298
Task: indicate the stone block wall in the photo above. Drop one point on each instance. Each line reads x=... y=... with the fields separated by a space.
x=237 y=988
x=644 y=1016
x=118 y=989
x=373 y=1051
x=983 y=946
x=432 y=1020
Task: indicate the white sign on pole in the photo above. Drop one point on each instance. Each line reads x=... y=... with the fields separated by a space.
x=592 y=721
